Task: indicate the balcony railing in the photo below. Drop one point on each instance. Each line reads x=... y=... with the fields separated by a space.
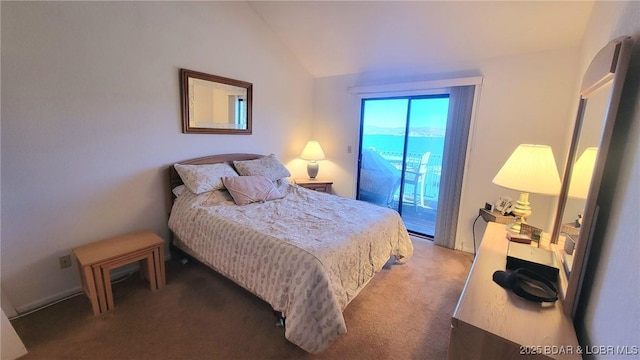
x=434 y=168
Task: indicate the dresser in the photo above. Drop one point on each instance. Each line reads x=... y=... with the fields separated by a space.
x=490 y=322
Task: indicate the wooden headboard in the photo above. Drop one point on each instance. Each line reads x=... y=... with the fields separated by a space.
x=175 y=180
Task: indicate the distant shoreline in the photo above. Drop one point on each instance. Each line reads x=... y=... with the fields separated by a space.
x=395 y=143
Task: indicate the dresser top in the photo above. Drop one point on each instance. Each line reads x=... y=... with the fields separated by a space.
x=487 y=306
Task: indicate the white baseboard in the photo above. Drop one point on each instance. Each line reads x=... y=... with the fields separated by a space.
x=41 y=303
x=47 y=300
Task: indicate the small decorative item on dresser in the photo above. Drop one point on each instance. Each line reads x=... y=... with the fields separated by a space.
x=317 y=185
x=519 y=238
x=535 y=233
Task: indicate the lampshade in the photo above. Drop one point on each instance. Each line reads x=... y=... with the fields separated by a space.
x=312 y=151
x=582 y=173
x=532 y=169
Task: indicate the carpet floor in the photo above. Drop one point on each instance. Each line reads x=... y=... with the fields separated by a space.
x=403 y=313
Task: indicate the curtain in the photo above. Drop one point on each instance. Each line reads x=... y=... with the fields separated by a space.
x=453 y=160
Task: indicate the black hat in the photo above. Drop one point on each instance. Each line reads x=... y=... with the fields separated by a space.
x=527 y=284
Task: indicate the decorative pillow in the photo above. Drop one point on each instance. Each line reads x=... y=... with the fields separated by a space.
x=249 y=189
x=203 y=178
x=267 y=166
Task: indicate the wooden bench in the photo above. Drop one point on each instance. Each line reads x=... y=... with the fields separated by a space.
x=97 y=259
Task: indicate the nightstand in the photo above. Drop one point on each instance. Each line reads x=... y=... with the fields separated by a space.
x=496 y=217
x=317 y=185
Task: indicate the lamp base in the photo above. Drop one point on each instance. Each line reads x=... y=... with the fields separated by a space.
x=515 y=226
x=312 y=169
x=521 y=210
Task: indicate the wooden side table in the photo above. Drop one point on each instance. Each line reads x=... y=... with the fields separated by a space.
x=96 y=260
x=317 y=185
x=495 y=216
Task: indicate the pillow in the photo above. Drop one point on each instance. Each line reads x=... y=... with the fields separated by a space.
x=249 y=189
x=267 y=166
x=203 y=178
x=178 y=190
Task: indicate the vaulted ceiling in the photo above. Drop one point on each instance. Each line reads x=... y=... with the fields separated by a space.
x=342 y=37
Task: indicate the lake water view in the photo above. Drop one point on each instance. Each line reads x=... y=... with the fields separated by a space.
x=395 y=143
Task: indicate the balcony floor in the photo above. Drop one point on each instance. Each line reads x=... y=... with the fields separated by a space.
x=418 y=219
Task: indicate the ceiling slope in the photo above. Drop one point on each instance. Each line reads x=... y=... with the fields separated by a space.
x=342 y=37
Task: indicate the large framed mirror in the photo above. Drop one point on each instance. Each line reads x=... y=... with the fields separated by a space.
x=214 y=104
x=578 y=201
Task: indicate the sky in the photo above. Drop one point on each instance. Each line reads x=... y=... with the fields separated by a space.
x=392 y=113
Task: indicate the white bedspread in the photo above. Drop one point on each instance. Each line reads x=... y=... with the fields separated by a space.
x=307 y=254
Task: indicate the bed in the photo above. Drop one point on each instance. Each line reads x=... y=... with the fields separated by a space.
x=306 y=253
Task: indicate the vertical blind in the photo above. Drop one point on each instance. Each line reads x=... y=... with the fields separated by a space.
x=453 y=162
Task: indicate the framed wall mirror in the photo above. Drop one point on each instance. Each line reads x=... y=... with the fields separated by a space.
x=214 y=104
x=577 y=211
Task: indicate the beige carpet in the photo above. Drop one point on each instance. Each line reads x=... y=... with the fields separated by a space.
x=404 y=313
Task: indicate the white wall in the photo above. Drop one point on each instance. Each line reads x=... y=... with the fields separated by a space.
x=91 y=120
x=611 y=309
x=524 y=99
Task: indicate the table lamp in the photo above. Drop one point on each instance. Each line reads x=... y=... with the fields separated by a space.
x=581 y=175
x=313 y=153
x=582 y=172
x=530 y=169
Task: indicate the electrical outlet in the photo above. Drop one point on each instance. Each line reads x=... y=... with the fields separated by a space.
x=65 y=261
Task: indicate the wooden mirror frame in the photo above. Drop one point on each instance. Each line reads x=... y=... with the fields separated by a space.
x=185 y=75
x=608 y=67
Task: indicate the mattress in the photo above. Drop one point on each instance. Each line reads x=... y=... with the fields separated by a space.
x=307 y=254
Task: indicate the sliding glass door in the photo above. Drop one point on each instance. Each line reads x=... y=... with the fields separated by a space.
x=401 y=146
